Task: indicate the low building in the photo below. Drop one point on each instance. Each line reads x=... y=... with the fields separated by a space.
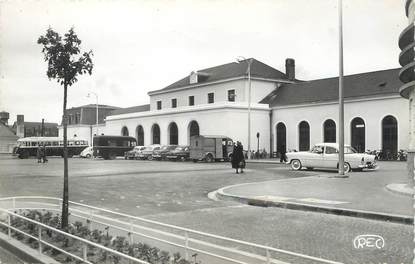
x=212 y=101
x=34 y=129
x=283 y=111
x=7 y=136
x=375 y=116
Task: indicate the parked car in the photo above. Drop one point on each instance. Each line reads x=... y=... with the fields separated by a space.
x=326 y=155
x=179 y=153
x=147 y=152
x=86 y=153
x=132 y=154
x=161 y=153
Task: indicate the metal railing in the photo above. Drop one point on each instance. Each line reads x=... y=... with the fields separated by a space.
x=41 y=227
x=210 y=245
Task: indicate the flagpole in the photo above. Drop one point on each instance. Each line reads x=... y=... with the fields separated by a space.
x=341 y=102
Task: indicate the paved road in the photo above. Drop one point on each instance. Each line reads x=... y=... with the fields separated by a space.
x=176 y=192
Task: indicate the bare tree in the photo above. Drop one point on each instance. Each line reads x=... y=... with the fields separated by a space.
x=65 y=63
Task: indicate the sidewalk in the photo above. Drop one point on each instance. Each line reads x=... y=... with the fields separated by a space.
x=363 y=194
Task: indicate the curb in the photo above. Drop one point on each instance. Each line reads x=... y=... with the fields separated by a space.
x=401 y=219
x=264 y=162
x=391 y=188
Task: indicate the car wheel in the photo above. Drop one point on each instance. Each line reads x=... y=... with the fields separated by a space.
x=209 y=158
x=347 y=168
x=296 y=165
x=194 y=160
x=88 y=156
x=150 y=157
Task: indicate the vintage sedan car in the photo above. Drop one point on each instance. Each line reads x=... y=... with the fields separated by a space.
x=326 y=155
x=147 y=152
x=179 y=153
x=161 y=153
x=133 y=154
x=86 y=153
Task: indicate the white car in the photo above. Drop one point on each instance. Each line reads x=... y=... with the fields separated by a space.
x=326 y=155
x=86 y=153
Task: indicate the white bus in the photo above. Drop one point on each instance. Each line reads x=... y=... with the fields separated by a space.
x=28 y=146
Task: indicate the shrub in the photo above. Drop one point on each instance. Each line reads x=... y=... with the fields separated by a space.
x=141 y=251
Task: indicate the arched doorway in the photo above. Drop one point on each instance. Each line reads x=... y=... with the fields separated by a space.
x=193 y=129
x=155 y=134
x=140 y=135
x=281 y=137
x=329 y=128
x=389 y=136
x=173 y=134
x=124 y=131
x=358 y=136
x=304 y=136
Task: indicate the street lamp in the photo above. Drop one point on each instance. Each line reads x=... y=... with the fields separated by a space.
x=96 y=128
x=240 y=59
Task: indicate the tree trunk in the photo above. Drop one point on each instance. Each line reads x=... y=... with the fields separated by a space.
x=65 y=201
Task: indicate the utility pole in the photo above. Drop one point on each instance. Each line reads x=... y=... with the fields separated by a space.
x=341 y=102
x=42 y=130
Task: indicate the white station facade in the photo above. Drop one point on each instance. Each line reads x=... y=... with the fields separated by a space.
x=286 y=112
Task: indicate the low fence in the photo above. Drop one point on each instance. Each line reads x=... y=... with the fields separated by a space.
x=209 y=247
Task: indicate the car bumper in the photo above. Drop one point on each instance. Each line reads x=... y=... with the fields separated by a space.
x=369 y=165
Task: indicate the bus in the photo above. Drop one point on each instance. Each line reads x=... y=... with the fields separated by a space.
x=27 y=147
x=109 y=147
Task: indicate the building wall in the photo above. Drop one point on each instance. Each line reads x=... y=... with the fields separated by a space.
x=84 y=132
x=227 y=120
x=259 y=89
x=371 y=111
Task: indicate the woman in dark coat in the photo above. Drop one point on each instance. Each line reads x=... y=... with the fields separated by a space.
x=238 y=160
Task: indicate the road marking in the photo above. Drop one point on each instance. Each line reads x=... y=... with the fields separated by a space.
x=314 y=200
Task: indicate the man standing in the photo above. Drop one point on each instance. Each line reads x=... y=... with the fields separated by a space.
x=283 y=152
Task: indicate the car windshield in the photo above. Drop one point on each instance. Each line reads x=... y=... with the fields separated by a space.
x=349 y=150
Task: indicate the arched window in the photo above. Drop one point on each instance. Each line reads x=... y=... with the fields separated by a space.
x=389 y=136
x=173 y=134
x=281 y=137
x=124 y=131
x=329 y=128
x=193 y=129
x=304 y=136
x=140 y=135
x=358 y=136
x=155 y=134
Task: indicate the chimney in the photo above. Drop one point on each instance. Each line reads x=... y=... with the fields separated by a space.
x=20 y=126
x=290 y=68
x=193 y=77
x=4 y=118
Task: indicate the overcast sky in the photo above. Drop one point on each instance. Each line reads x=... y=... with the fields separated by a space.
x=140 y=46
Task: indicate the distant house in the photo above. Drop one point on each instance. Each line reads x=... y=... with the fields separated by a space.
x=34 y=129
x=7 y=137
x=82 y=120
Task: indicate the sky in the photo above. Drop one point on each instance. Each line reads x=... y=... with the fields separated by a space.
x=141 y=46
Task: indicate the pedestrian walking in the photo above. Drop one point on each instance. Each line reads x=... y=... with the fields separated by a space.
x=283 y=152
x=39 y=154
x=238 y=160
x=45 y=160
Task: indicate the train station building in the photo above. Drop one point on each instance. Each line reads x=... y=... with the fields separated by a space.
x=284 y=111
